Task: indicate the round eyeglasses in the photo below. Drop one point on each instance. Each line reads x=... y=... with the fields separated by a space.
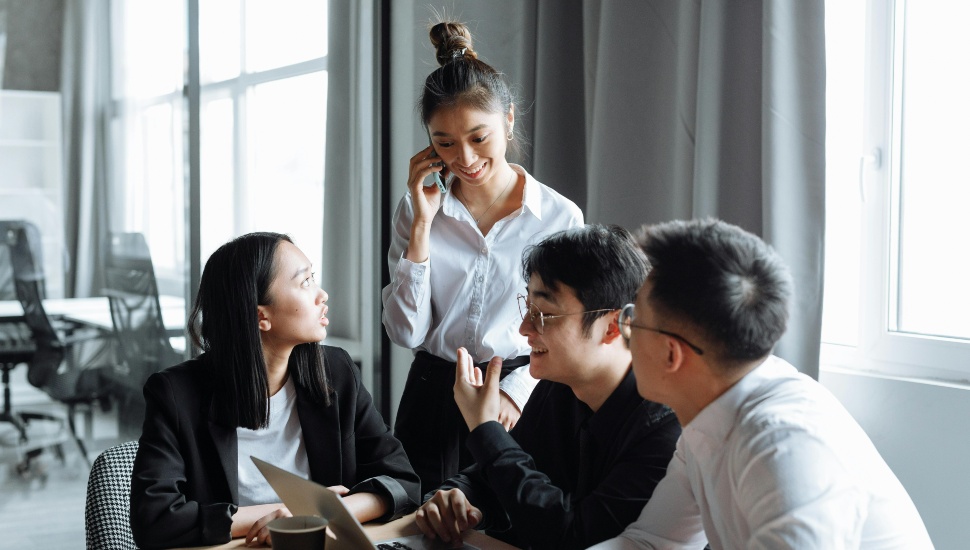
x=538 y=319
x=627 y=325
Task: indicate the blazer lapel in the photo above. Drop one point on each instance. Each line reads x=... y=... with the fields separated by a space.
x=227 y=448
x=321 y=436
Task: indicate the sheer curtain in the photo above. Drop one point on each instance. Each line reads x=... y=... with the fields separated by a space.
x=85 y=94
x=646 y=111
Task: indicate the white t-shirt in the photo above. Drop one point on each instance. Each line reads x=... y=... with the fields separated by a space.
x=464 y=294
x=776 y=462
x=280 y=444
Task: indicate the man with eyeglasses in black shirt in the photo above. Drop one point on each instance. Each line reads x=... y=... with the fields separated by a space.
x=587 y=451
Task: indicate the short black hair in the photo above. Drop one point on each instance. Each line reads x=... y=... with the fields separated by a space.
x=602 y=264
x=224 y=323
x=723 y=280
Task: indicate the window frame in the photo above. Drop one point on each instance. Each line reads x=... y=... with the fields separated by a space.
x=881 y=349
x=238 y=89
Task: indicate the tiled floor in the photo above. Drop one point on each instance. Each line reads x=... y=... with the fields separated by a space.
x=44 y=508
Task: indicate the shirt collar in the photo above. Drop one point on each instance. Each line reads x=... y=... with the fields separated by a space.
x=612 y=415
x=719 y=417
x=531 y=198
x=450 y=205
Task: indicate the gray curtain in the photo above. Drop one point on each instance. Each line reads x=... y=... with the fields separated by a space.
x=646 y=111
x=689 y=110
x=85 y=95
x=342 y=193
x=3 y=38
x=351 y=242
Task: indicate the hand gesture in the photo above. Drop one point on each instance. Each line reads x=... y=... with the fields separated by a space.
x=425 y=200
x=477 y=398
x=446 y=515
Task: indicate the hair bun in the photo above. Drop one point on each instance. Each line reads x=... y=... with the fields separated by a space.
x=451 y=41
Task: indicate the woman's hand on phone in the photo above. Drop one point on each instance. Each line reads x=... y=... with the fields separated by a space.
x=425 y=199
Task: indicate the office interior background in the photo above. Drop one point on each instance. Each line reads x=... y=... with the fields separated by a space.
x=831 y=128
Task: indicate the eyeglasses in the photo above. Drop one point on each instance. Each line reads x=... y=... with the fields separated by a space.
x=627 y=326
x=538 y=318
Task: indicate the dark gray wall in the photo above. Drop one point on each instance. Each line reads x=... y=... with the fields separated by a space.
x=33 y=53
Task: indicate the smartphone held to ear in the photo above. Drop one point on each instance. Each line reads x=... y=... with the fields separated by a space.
x=437 y=175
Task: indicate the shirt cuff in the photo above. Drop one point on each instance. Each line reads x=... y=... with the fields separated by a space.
x=405 y=265
x=488 y=441
x=217 y=522
x=413 y=270
x=415 y=277
x=518 y=385
x=397 y=499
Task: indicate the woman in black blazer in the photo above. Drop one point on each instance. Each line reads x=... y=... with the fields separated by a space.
x=259 y=317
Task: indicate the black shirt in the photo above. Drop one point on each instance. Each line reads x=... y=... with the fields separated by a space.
x=565 y=477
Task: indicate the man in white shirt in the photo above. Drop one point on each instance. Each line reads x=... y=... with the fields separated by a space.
x=768 y=457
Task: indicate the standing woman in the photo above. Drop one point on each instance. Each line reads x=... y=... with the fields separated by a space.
x=455 y=257
x=263 y=387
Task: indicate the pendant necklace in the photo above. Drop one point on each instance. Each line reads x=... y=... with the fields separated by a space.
x=479 y=219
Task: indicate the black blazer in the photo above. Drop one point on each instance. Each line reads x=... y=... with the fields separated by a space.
x=184 y=486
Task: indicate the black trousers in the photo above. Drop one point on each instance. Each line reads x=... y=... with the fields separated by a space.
x=429 y=424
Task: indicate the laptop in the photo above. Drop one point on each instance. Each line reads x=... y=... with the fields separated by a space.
x=307 y=498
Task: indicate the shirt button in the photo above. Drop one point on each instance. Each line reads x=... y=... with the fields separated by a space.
x=481 y=278
x=484 y=250
x=474 y=309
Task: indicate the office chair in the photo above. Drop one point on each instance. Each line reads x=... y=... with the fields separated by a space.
x=136 y=315
x=106 y=508
x=16 y=344
x=55 y=366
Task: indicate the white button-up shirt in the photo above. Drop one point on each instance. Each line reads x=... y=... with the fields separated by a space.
x=776 y=462
x=464 y=294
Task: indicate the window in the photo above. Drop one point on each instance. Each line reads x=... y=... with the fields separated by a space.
x=898 y=205
x=263 y=102
x=147 y=154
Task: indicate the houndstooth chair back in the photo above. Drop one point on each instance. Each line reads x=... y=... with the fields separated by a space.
x=106 y=525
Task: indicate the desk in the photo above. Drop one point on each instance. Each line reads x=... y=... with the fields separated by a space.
x=401 y=527
x=94 y=312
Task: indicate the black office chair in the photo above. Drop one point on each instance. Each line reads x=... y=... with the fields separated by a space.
x=56 y=366
x=136 y=314
x=16 y=343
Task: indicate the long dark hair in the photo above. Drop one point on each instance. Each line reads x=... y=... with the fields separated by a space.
x=463 y=79
x=224 y=323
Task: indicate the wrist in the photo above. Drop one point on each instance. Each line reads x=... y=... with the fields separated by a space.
x=419 y=244
x=420 y=228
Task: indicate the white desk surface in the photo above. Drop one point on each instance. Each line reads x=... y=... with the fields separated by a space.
x=96 y=311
